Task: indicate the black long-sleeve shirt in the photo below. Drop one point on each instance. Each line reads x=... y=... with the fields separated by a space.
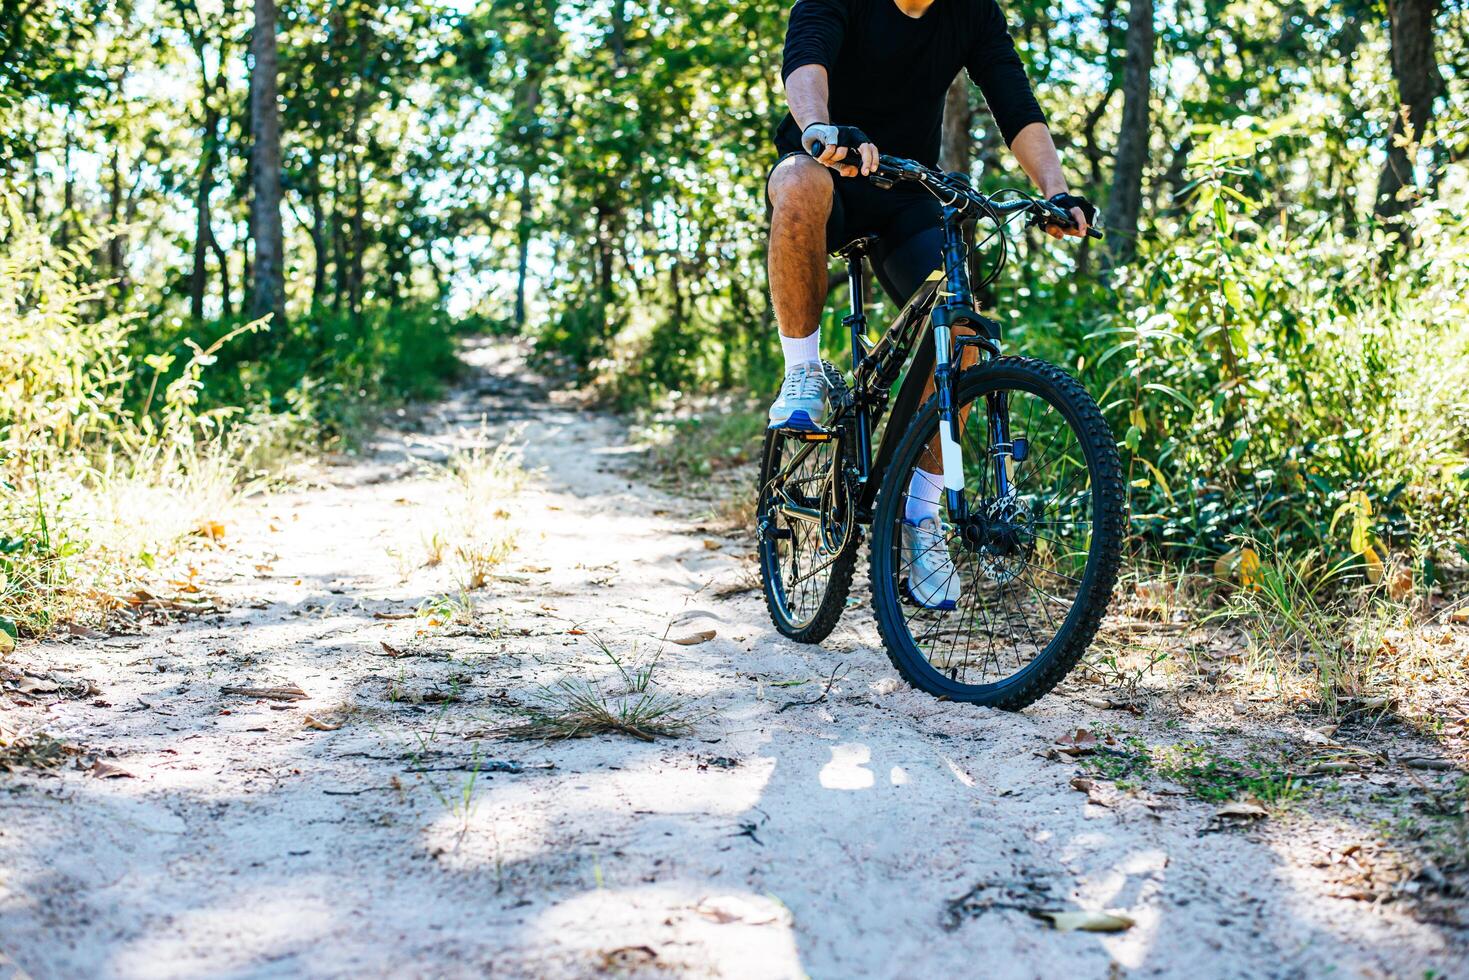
x=889 y=72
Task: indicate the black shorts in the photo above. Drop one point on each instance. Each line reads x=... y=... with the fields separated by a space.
x=907 y=220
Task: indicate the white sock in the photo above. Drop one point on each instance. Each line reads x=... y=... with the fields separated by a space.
x=799 y=350
x=925 y=490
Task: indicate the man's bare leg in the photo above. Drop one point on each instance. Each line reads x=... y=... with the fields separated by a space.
x=801 y=201
x=800 y=194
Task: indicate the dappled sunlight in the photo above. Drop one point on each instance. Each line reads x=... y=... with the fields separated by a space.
x=564 y=814
x=848 y=768
x=744 y=932
x=1136 y=884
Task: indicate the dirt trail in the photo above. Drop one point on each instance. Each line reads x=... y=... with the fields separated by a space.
x=829 y=840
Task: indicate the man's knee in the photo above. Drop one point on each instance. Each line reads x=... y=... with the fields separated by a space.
x=801 y=188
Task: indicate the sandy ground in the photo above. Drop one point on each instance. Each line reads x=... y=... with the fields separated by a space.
x=875 y=833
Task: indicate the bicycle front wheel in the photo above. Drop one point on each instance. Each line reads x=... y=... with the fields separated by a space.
x=995 y=606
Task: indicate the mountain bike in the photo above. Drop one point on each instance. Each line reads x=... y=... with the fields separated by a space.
x=1032 y=502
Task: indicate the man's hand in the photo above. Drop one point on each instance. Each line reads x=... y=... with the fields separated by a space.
x=1082 y=215
x=837 y=148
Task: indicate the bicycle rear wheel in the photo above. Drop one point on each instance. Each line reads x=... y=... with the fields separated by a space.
x=1035 y=565
x=806 y=528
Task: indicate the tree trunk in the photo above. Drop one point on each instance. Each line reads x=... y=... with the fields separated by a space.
x=318 y=245
x=199 y=278
x=356 y=245
x=68 y=193
x=1415 y=69
x=116 y=240
x=223 y=259
x=267 y=294
x=1093 y=154
x=522 y=249
x=618 y=38
x=957 y=152
x=1125 y=202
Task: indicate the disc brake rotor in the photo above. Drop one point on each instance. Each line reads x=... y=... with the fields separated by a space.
x=1003 y=564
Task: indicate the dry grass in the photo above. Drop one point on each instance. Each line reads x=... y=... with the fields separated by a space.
x=34 y=751
x=627 y=704
x=476 y=532
x=1296 y=637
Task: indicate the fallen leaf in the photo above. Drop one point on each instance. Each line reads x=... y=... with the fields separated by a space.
x=1079 y=742
x=711 y=544
x=310 y=721
x=291 y=693
x=628 y=957
x=106 y=770
x=735 y=908
x=389 y=649
x=213 y=530
x=694 y=639
x=36 y=685
x=7 y=642
x=1225 y=565
x=1460 y=615
x=1249 y=569
x=1441 y=765
x=1241 y=810
x=1328 y=766
x=577 y=631
x=1086 y=921
x=1400 y=583
x=1096 y=794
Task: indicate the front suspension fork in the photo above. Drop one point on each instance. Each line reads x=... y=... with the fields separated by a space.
x=945 y=382
x=997 y=405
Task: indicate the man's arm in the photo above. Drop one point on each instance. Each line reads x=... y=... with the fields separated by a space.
x=996 y=69
x=814 y=36
x=807 y=92
x=1036 y=152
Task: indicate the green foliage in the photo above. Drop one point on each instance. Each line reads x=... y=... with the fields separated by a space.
x=593 y=176
x=1265 y=371
x=329 y=368
x=1203 y=772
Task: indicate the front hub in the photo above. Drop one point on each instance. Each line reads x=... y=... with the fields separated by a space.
x=999 y=534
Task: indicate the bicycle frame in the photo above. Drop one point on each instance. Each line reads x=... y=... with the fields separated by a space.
x=945 y=304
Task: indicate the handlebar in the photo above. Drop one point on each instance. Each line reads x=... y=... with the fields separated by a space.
x=950 y=188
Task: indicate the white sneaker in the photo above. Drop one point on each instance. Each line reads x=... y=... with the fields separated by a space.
x=932 y=580
x=802 y=401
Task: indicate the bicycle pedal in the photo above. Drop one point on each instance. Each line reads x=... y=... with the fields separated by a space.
x=811 y=435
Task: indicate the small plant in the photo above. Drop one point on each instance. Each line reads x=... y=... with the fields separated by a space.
x=1316 y=627
x=445 y=609
x=477 y=533
x=628 y=704
x=1205 y=774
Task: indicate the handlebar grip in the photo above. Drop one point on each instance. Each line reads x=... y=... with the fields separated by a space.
x=817 y=148
x=1094 y=233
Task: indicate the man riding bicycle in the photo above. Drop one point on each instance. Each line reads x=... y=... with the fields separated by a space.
x=864 y=77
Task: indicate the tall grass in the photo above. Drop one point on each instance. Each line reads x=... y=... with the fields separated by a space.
x=122 y=439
